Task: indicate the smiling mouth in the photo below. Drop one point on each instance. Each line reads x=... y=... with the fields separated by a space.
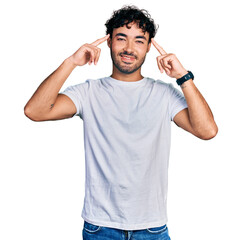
x=127 y=58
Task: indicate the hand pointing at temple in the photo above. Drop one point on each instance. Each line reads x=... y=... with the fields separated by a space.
x=169 y=62
x=88 y=53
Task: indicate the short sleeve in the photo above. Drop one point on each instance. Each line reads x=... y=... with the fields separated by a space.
x=177 y=101
x=77 y=93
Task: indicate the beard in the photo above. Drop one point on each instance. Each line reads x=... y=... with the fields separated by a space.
x=125 y=67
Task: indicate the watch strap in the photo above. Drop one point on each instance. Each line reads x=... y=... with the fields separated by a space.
x=185 y=78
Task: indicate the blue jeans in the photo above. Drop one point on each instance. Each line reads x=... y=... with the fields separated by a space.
x=94 y=232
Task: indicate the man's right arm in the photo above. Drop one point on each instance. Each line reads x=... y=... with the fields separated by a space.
x=46 y=103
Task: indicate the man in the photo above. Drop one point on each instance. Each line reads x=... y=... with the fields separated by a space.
x=127 y=120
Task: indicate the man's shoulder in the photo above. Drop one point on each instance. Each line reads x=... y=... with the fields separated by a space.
x=87 y=82
x=95 y=80
x=158 y=82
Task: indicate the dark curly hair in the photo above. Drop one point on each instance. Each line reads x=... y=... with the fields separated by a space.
x=129 y=14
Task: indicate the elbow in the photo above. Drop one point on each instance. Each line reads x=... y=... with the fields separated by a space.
x=209 y=134
x=29 y=114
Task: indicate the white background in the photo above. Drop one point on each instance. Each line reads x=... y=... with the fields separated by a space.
x=42 y=168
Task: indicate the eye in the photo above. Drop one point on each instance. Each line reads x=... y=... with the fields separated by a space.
x=140 y=42
x=120 y=39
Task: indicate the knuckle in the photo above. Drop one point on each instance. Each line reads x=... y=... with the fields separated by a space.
x=96 y=50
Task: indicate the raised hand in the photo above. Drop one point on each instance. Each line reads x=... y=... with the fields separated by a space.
x=169 y=62
x=88 y=53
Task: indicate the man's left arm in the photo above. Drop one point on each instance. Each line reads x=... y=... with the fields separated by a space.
x=197 y=118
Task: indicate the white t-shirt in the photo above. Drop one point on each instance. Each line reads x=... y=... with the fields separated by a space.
x=127 y=133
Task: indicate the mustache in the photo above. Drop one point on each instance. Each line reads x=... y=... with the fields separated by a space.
x=128 y=54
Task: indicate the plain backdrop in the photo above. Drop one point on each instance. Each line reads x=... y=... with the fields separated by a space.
x=42 y=168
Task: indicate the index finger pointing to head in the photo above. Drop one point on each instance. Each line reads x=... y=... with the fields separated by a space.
x=158 y=47
x=101 y=40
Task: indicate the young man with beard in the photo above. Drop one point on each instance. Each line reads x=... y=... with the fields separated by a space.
x=127 y=121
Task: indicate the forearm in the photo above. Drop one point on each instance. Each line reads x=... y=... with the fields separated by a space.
x=45 y=96
x=200 y=115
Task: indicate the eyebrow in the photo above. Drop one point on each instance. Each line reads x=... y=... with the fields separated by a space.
x=124 y=35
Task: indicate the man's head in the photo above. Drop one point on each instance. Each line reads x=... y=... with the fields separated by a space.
x=129 y=14
x=131 y=30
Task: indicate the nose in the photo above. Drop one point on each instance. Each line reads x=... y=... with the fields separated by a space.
x=128 y=47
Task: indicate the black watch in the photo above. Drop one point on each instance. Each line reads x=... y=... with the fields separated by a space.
x=186 y=77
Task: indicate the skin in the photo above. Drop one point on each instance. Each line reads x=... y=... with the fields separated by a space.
x=46 y=103
x=128 y=48
x=197 y=118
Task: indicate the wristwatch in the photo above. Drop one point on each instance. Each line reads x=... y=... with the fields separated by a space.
x=185 y=78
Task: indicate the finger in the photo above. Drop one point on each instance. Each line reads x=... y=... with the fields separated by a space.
x=91 y=54
x=158 y=47
x=167 y=71
x=97 y=56
x=159 y=64
x=166 y=62
x=163 y=67
x=93 y=57
x=101 y=40
x=162 y=64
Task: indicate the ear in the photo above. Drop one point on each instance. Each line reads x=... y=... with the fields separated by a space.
x=148 y=48
x=109 y=42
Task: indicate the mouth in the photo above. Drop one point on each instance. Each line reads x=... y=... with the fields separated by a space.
x=127 y=58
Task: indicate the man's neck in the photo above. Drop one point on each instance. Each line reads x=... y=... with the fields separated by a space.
x=132 y=77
